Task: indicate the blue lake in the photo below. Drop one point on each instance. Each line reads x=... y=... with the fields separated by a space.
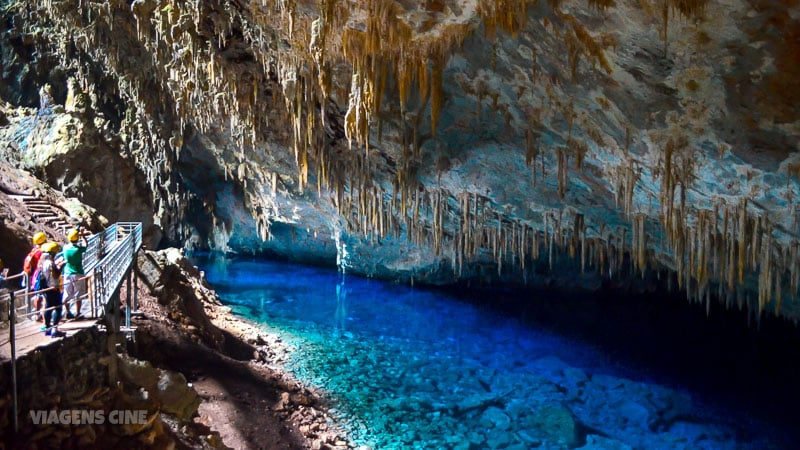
x=412 y=368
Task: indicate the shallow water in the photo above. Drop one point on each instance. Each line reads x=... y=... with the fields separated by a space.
x=410 y=368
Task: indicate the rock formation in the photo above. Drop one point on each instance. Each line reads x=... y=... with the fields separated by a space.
x=482 y=140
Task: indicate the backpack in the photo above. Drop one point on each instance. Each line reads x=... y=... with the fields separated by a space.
x=59 y=261
x=31 y=260
x=39 y=280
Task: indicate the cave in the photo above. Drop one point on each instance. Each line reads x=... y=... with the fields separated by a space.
x=451 y=223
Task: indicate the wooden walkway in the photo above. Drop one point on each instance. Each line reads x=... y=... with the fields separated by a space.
x=108 y=261
x=30 y=337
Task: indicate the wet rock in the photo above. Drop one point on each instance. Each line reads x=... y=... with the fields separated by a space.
x=669 y=405
x=496 y=440
x=607 y=382
x=556 y=423
x=574 y=376
x=595 y=442
x=550 y=365
x=634 y=413
x=494 y=417
x=529 y=437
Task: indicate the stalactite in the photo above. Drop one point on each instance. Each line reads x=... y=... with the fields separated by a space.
x=794 y=258
x=563 y=180
x=621 y=250
x=550 y=246
x=742 y=232
x=640 y=243
x=602 y=250
x=531 y=151
x=386 y=48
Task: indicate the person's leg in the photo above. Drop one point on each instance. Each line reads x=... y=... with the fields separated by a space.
x=54 y=305
x=80 y=291
x=47 y=314
x=69 y=293
x=57 y=310
x=37 y=307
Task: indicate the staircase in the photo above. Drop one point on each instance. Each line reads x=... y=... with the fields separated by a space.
x=46 y=213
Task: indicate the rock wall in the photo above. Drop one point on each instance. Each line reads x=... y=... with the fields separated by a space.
x=18 y=223
x=89 y=373
x=473 y=140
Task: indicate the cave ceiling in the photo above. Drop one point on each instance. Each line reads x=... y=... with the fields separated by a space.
x=442 y=140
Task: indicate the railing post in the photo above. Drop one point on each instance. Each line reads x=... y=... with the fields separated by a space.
x=115 y=319
x=98 y=289
x=101 y=243
x=135 y=272
x=90 y=290
x=128 y=300
x=27 y=296
x=12 y=318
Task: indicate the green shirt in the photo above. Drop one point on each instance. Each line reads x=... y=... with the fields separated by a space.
x=74 y=255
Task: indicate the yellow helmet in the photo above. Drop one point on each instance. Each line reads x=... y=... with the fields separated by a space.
x=51 y=247
x=73 y=235
x=39 y=238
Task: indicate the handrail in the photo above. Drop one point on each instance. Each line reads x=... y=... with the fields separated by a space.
x=12 y=293
x=110 y=252
x=108 y=258
x=13 y=277
x=114 y=266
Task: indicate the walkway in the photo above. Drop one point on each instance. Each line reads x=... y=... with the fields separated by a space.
x=108 y=261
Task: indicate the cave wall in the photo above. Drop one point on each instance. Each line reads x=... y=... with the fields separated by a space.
x=515 y=141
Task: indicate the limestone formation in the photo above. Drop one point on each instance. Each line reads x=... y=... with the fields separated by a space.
x=513 y=140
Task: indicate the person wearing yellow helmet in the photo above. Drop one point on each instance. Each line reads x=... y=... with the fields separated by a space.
x=30 y=265
x=32 y=260
x=48 y=280
x=74 y=284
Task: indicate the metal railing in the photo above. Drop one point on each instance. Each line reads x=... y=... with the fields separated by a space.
x=108 y=254
x=108 y=258
x=103 y=250
x=111 y=270
x=95 y=247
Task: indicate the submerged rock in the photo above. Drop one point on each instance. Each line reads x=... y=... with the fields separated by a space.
x=555 y=423
x=494 y=417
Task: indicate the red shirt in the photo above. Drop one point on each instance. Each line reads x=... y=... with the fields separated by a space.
x=34 y=255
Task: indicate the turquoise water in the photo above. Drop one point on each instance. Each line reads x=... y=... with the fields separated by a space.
x=410 y=368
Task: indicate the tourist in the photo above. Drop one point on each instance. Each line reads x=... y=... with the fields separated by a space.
x=29 y=267
x=48 y=279
x=74 y=283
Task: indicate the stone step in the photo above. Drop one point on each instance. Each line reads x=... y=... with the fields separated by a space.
x=44 y=215
x=38 y=204
x=22 y=198
x=40 y=209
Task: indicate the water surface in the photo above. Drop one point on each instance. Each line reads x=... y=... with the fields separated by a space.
x=411 y=368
